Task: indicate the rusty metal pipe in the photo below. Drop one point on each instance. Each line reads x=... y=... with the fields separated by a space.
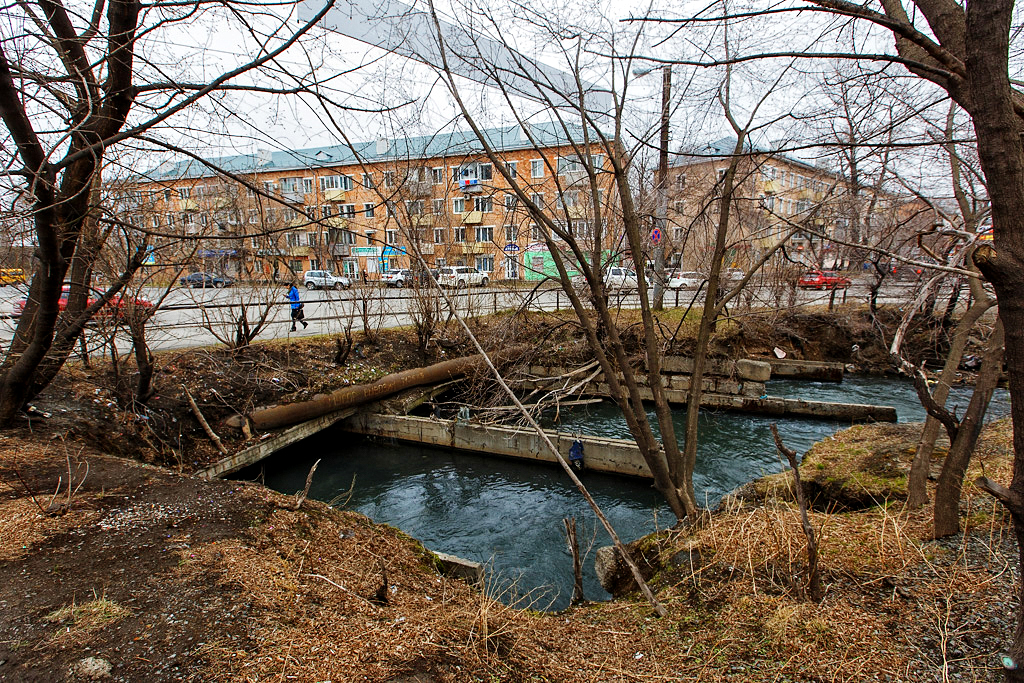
x=274 y=417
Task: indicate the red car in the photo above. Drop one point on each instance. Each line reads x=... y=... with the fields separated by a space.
x=823 y=279
x=117 y=307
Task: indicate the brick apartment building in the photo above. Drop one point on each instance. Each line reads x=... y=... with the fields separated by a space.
x=364 y=209
x=775 y=193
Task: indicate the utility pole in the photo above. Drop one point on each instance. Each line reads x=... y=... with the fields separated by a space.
x=661 y=216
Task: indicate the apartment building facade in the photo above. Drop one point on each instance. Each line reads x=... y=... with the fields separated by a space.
x=364 y=209
x=775 y=194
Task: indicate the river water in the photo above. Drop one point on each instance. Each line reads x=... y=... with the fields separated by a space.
x=508 y=514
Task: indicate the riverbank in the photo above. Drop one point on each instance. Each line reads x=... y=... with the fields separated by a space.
x=161 y=576
x=156 y=576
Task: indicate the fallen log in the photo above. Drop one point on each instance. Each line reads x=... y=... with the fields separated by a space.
x=273 y=417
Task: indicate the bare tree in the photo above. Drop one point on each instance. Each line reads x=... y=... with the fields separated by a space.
x=69 y=85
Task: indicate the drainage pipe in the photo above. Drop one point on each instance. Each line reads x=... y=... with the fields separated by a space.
x=274 y=417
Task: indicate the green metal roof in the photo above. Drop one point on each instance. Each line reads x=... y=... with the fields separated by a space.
x=455 y=144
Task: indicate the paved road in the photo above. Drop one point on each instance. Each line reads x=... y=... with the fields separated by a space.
x=200 y=317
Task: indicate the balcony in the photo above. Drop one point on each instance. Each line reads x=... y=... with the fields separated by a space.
x=770 y=186
x=189 y=205
x=472 y=217
x=337 y=195
x=300 y=251
x=425 y=248
x=471 y=186
x=296 y=196
x=468 y=247
x=423 y=219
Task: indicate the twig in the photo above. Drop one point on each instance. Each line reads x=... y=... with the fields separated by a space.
x=206 y=425
x=340 y=587
x=814 y=577
x=577 y=564
x=300 y=497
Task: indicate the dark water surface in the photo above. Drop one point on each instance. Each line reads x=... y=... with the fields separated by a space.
x=509 y=514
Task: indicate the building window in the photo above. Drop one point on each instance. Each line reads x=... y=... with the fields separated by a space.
x=437 y=175
x=414 y=207
x=169 y=218
x=511 y=202
x=307 y=186
x=512 y=168
x=476 y=171
x=679 y=206
x=254 y=216
x=313 y=238
x=368 y=181
x=538 y=199
x=681 y=181
x=438 y=206
x=347 y=210
x=368 y=210
x=567 y=199
x=391 y=236
x=389 y=178
x=511 y=233
x=325 y=211
x=485 y=233
x=536 y=233
x=484 y=204
x=295 y=239
x=438 y=235
x=459 y=233
x=392 y=210
x=459 y=205
x=485 y=264
x=536 y=168
x=156 y=221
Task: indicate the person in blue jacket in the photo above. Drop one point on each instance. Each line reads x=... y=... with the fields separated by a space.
x=297 y=314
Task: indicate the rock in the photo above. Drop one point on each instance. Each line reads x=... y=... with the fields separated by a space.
x=608 y=567
x=92 y=668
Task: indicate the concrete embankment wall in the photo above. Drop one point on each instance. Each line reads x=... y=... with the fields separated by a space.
x=734 y=395
x=616 y=456
x=806 y=369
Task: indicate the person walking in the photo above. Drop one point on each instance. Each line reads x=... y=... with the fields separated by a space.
x=297 y=314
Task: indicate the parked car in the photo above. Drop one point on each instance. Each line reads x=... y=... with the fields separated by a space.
x=688 y=280
x=733 y=275
x=117 y=308
x=195 y=280
x=823 y=279
x=619 y=277
x=397 y=277
x=461 y=276
x=325 y=279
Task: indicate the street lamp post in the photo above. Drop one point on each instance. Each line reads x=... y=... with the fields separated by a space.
x=661 y=217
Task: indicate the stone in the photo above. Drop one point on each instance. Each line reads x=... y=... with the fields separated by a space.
x=606 y=566
x=92 y=668
x=753 y=370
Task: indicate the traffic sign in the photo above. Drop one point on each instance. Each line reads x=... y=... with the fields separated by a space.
x=656 y=235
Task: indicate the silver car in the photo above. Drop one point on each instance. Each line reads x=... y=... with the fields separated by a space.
x=325 y=279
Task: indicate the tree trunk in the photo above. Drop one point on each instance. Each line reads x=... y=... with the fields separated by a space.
x=947 y=494
x=917 y=491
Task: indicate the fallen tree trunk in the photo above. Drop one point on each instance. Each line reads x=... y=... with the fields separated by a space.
x=273 y=417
